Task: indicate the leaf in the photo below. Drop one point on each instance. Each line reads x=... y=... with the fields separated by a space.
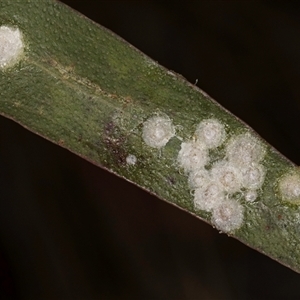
x=82 y=87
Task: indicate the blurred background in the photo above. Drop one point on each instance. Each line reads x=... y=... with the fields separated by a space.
x=69 y=230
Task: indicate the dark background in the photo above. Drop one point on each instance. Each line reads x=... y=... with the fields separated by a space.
x=69 y=230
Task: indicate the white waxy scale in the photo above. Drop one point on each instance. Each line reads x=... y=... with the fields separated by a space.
x=228 y=216
x=250 y=195
x=227 y=175
x=211 y=132
x=244 y=149
x=131 y=159
x=192 y=156
x=11 y=46
x=157 y=131
x=253 y=176
x=289 y=187
x=208 y=197
x=198 y=178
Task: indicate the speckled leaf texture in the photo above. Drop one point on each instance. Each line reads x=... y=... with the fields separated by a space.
x=84 y=88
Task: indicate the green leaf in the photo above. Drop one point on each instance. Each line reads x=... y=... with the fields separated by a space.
x=82 y=87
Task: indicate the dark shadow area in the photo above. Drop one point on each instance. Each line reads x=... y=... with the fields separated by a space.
x=69 y=230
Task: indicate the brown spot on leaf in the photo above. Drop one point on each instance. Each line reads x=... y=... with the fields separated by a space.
x=109 y=128
x=115 y=143
x=171 y=180
x=61 y=142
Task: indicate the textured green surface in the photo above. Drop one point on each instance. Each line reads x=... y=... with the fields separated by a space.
x=84 y=88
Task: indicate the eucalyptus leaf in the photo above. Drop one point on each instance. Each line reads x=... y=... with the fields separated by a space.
x=82 y=87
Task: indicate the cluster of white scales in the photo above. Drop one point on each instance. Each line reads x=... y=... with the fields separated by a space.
x=219 y=187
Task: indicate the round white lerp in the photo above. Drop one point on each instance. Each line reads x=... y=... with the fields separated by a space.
x=131 y=160
x=245 y=149
x=192 y=156
x=211 y=132
x=228 y=216
x=289 y=187
x=11 y=46
x=198 y=178
x=157 y=131
x=250 y=195
x=253 y=176
x=226 y=175
x=208 y=197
